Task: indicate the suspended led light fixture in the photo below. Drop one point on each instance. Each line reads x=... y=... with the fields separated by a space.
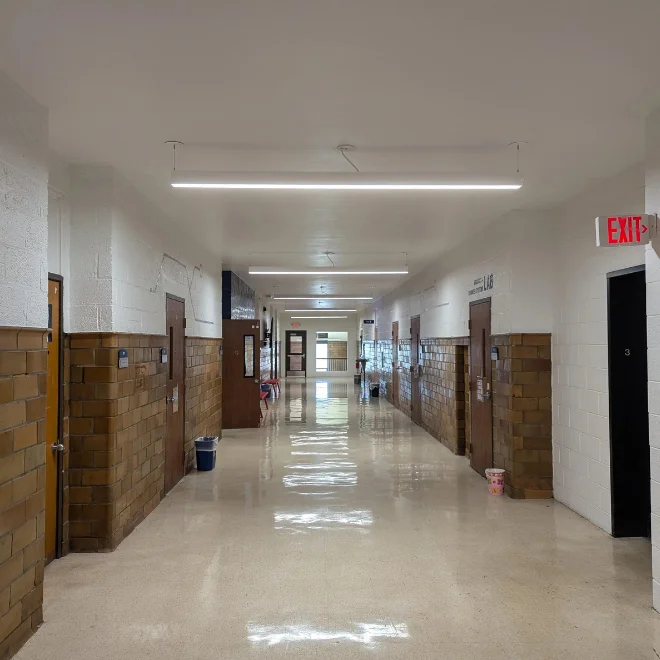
x=383 y=181
x=262 y=270
x=319 y=317
x=337 y=181
x=320 y=309
x=322 y=298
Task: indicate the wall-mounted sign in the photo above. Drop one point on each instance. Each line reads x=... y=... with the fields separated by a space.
x=295 y=325
x=482 y=284
x=615 y=230
x=123 y=358
x=368 y=330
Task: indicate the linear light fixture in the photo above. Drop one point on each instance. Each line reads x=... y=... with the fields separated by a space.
x=320 y=309
x=259 y=270
x=319 y=317
x=339 y=181
x=322 y=298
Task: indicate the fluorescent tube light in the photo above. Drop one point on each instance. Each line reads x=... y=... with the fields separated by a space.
x=322 y=298
x=320 y=309
x=258 y=270
x=339 y=181
x=319 y=317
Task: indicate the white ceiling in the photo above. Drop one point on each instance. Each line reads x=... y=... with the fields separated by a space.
x=258 y=84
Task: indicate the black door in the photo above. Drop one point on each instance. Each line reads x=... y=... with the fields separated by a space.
x=629 y=423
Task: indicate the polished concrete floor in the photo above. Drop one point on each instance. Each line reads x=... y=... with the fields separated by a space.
x=341 y=530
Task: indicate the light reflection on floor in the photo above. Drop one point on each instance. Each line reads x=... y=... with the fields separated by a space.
x=361 y=633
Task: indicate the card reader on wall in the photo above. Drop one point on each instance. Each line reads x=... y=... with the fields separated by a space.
x=494 y=353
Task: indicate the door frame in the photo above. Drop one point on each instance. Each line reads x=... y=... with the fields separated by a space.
x=287 y=335
x=395 y=365
x=415 y=412
x=59 y=513
x=472 y=303
x=610 y=276
x=171 y=296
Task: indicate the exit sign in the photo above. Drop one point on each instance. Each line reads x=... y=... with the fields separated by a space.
x=615 y=230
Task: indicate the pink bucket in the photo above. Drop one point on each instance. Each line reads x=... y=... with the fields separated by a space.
x=495 y=478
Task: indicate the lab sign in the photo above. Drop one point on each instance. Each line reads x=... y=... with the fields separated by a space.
x=627 y=230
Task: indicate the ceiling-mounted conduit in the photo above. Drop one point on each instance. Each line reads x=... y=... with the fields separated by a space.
x=188 y=279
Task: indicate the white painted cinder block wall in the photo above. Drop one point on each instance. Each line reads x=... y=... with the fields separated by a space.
x=516 y=249
x=142 y=275
x=23 y=208
x=652 y=205
x=110 y=248
x=581 y=443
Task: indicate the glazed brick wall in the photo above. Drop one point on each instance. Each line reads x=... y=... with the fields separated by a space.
x=203 y=392
x=117 y=431
x=264 y=362
x=23 y=358
x=443 y=391
x=522 y=414
x=383 y=372
x=466 y=380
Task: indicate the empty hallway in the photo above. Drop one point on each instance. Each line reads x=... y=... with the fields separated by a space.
x=342 y=530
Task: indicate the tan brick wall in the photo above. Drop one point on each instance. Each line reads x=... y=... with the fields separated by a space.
x=337 y=349
x=522 y=414
x=117 y=431
x=23 y=358
x=203 y=392
x=443 y=391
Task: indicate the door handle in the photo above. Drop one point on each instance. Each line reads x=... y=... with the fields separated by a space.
x=57 y=446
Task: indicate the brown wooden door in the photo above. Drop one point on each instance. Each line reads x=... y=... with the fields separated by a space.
x=395 y=364
x=54 y=448
x=240 y=373
x=481 y=412
x=176 y=399
x=415 y=368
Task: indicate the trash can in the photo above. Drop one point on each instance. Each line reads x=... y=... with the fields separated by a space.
x=495 y=478
x=265 y=387
x=375 y=391
x=205 y=449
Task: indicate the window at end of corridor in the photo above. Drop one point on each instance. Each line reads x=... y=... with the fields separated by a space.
x=331 y=351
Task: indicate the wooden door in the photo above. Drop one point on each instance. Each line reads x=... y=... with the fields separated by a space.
x=481 y=404
x=240 y=373
x=54 y=446
x=395 y=364
x=415 y=370
x=176 y=399
x=296 y=352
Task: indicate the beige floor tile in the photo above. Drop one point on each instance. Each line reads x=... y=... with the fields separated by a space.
x=342 y=530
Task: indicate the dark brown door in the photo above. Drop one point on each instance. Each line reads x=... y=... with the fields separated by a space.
x=395 y=364
x=481 y=405
x=54 y=446
x=240 y=372
x=415 y=371
x=296 y=351
x=176 y=360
